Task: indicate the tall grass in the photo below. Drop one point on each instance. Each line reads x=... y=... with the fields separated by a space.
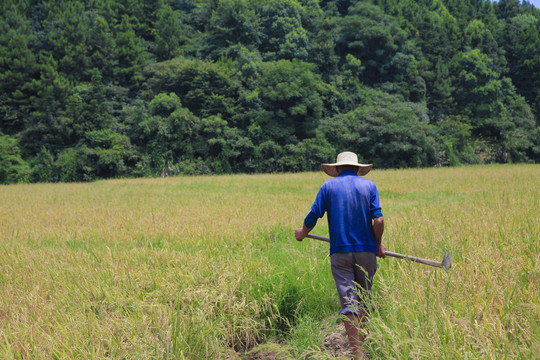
x=207 y=267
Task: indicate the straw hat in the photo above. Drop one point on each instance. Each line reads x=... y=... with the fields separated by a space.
x=346 y=158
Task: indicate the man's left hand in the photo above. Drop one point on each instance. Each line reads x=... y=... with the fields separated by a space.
x=381 y=250
x=299 y=234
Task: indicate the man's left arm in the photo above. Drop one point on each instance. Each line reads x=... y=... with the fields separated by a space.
x=378 y=221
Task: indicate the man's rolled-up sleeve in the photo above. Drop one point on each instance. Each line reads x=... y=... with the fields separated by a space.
x=376 y=213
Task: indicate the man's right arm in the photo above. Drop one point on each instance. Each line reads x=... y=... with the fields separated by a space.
x=378 y=230
x=302 y=232
x=309 y=223
x=317 y=211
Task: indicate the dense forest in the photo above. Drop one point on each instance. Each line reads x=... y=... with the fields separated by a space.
x=117 y=88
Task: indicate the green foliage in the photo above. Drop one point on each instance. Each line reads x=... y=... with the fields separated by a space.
x=68 y=29
x=12 y=167
x=285 y=36
x=99 y=89
x=371 y=36
x=130 y=53
x=308 y=155
x=43 y=166
x=268 y=157
x=18 y=68
x=455 y=147
x=111 y=153
x=204 y=88
x=520 y=38
x=291 y=96
x=498 y=116
x=233 y=23
x=87 y=106
x=169 y=35
x=45 y=125
x=72 y=165
x=385 y=131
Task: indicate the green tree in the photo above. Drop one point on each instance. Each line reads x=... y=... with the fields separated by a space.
x=167 y=133
x=496 y=113
x=234 y=22
x=102 y=48
x=283 y=25
x=506 y=9
x=406 y=76
x=45 y=125
x=132 y=56
x=322 y=49
x=142 y=15
x=73 y=165
x=521 y=39
x=205 y=88
x=106 y=88
x=109 y=153
x=441 y=95
x=226 y=148
x=155 y=132
x=291 y=94
x=478 y=36
x=371 y=36
x=12 y=167
x=88 y=107
x=268 y=157
x=477 y=85
x=43 y=166
x=18 y=68
x=308 y=154
x=456 y=144
x=68 y=29
x=385 y=131
x=168 y=34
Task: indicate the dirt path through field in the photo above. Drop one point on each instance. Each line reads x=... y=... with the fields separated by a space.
x=337 y=344
x=335 y=347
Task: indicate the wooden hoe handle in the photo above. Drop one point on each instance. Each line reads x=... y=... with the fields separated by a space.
x=445 y=264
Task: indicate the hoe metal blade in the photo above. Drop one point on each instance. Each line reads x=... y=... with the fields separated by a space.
x=447 y=260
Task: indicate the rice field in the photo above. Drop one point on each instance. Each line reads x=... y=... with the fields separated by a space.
x=208 y=268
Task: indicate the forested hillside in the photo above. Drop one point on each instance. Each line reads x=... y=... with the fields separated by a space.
x=113 y=88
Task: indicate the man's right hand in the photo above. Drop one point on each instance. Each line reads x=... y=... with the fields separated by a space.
x=381 y=250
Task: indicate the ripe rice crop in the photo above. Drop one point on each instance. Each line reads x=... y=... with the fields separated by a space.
x=208 y=268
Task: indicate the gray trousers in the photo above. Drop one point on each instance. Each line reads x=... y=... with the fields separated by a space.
x=353 y=273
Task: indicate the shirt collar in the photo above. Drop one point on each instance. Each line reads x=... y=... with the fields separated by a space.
x=347 y=172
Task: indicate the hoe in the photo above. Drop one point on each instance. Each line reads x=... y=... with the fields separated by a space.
x=446 y=263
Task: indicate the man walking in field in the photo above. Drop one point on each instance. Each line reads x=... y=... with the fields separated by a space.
x=356 y=227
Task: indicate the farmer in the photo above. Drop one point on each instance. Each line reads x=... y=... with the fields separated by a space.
x=356 y=227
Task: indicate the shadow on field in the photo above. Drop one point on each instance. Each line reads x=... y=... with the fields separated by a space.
x=288 y=307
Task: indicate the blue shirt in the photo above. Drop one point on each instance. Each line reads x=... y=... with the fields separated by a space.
x=351 y=202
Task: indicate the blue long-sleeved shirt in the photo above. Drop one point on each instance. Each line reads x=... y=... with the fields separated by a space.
x=351 y=202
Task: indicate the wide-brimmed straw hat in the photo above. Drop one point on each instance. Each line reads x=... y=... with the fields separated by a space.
x=346 y=158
